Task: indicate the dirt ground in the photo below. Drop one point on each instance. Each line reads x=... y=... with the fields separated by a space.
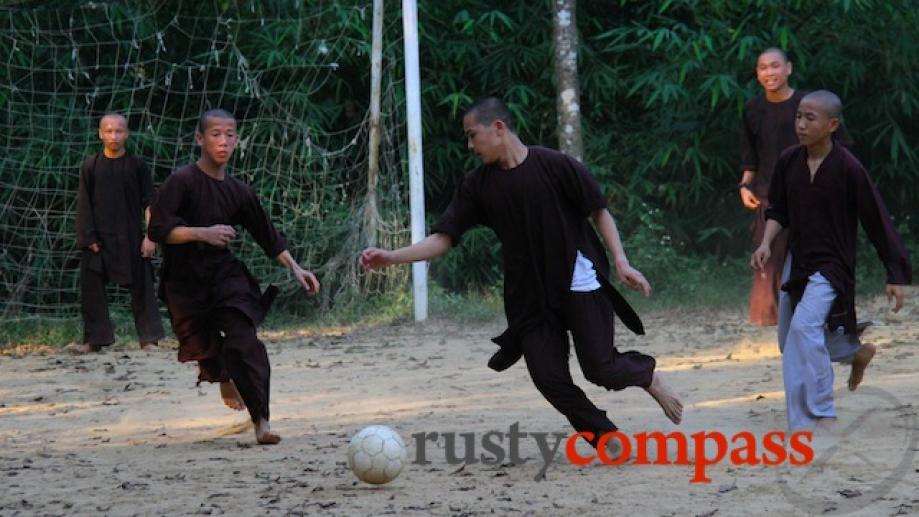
x=129 y=433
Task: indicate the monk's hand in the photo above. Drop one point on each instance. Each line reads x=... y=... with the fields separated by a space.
x=748 y=198
x=95 y=248
x=147 y=248
x=633 y=278
x=219 y=235
x=307 y=280
x=375 y=258
x=895 y=294
x=760 y=257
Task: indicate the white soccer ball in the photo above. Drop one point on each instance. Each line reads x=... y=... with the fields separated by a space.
x=377 y=454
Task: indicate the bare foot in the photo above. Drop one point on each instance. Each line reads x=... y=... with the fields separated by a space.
x=668 y=400
x=149 y=347
x=231 y=396
x=263 y=434
x=859 y=363
x=82 y=348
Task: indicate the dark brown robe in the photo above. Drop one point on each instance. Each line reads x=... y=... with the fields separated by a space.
x=204 y=286
x=539 y=211
x=822 y=219
x=112 y=198
x=768 y=129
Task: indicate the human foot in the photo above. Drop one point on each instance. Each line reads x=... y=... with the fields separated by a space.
x=149 y=346
x=859 y=363
x=668 y=400
x=83 y=348
x=231 y=396
x=263 y=434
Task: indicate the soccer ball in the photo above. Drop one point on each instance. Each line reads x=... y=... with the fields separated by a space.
x=377 y=454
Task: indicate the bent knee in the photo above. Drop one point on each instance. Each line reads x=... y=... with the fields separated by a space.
x=599 y=375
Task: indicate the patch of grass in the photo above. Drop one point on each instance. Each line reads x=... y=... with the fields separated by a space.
x=473 y=306
x=698 y=282
x=58 y=332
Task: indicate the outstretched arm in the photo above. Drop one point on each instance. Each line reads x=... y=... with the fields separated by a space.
x=433 y=245
x=629 y=276
x=305 y=278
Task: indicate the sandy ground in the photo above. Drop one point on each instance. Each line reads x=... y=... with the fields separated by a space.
x=129 y=433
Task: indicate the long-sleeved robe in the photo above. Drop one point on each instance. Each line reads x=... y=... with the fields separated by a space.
x=822 y=218
x=197 y=278
x=113 y=195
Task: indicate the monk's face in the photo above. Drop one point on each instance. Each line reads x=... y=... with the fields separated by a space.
x=813 y=122
x=485 y=141
x=772 y=71
x=113 y=131
x=218 y=140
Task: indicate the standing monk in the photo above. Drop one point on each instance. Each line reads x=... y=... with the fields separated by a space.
x=769 y=128
x=538 y=201
x=114 y=195
x=214 y=302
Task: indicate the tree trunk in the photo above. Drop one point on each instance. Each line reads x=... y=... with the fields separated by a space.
x=565 y=41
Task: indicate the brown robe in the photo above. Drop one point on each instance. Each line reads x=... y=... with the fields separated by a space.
x=768 y=129
x=112 y=197
x=207 y=289
x=822 y=218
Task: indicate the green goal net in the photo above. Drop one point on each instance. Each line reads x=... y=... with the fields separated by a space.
x=296 y=75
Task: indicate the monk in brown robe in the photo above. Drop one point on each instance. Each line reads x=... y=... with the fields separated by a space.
x=214 y=301
x=540 y=204
x=115 y=192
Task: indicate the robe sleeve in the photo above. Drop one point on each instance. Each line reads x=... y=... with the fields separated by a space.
x=258 y=224
x=778 y=194
x=463 y=213
x=144 y=182
x=164 y=212
x=749 y=161
x=86 y=222
x=875 y=219
x=580 y=187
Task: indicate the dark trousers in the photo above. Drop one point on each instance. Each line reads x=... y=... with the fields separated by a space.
x=97 y=325
x=589 y=317
x=242 y=357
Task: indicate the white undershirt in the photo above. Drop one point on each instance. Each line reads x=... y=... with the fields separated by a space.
x=584 y=278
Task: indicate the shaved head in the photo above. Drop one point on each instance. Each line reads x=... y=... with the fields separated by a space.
x=206 y=117
x=113 y=117
x=774 y=50
x=486 y=110
x=828 y=101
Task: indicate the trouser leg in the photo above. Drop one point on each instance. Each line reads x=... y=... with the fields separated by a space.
x=545 y=350
x=246 y=361
x=806 y=369
x=841 y=346
x=97 y=325
x=589 y=317
x=147 y=319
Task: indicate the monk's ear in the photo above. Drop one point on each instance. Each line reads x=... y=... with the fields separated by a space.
x=791 y=68
x=500 y=126
x=834 y=124
x=199 y=138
